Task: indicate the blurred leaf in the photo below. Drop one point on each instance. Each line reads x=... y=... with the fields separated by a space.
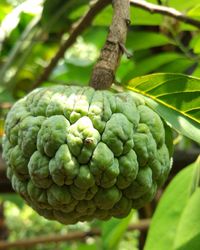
x=125 y=67
x=78 y=12
x=13 y=18
x=55 y=16
x=82 y=53
x=14 y=198
x=195 y=44
x=194 y=12
x=55 y=13
x=143 y=17
x=5 y=9
x=6 y=96
x=72 y=74
x=188 y=231
x=20 y=64
x=175 y=97
x=20 y=46
x=168 y=213
x=197 y=71
x=151 y=63
x=179 y=65
x=87 y=247
x=183 y=5
x=104 y=18
x=138 y=40
x=113 y=230
x=99 y=38
x=187 y=27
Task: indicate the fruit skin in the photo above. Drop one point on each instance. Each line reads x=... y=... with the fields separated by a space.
x=75 y=154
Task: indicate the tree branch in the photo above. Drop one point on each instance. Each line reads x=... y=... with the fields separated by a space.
x=104 y=71
x=76 y=30
x=82 y=24
x=153 y=8
x=141 y=225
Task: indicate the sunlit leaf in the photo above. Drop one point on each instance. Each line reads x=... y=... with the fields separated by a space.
x=194 y=12
x=175 y=97
x=188 y=231
x=5 y=9
x=197 y=71
x=142 y=17
x=195 y=44
x=25 y=42
x=13 y=18
x=182 y=5
x=113 y=230
x=175 y=199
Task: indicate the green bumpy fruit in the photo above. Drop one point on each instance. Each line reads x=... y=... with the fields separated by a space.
x=75 y=154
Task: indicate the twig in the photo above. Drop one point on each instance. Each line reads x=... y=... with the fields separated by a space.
x=168 y=11
x=104 y=71
x=141 y=225
x=76 y=30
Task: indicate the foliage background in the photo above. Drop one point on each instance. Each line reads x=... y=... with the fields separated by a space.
x=30 y=34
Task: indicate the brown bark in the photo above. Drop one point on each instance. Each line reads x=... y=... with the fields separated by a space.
x=104 y=71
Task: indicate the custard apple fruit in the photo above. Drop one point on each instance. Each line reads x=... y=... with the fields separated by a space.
x=75 y=154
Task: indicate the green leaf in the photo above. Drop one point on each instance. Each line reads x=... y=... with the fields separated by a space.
x=113 y=230
x=12 y=19
x=104 y=18
x=194 y=12
x=151 y=63
x=100 y=36
x=14 y=198
x=188 y=232
x=5 y=9
x=195 y=44
x=168 y=214
x=73 y=74
x=25 y=42
x=183 y=5
x=143 y=17
x=55 y=16
x=138 y=40
x=175 y=97
x=87 y=247
x=197 y=71
x=179 y=65
x=125 y=67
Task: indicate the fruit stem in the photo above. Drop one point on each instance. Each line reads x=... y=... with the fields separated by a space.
x=103 y=74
